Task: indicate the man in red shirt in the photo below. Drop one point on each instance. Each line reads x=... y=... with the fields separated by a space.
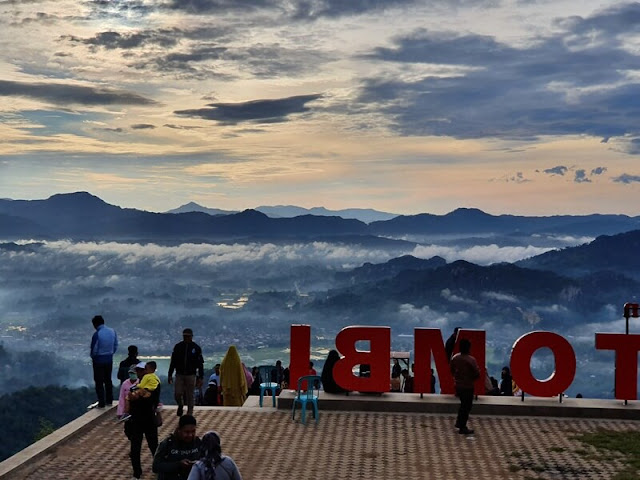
x=465 y=372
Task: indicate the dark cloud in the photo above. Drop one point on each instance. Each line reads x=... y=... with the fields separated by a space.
x=516 y=92
x=143 y=126
x=112 y=40
x=627 y=179
x=261 y=60
x=581 y=176
x=61 y=94
x=598 y=170
x=259 y=111
x=312 y=9
x=110 y=130
x=219 y=6
x=559 y=170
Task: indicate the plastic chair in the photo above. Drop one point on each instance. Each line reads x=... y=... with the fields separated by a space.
x=308 y=392
x=266 y=384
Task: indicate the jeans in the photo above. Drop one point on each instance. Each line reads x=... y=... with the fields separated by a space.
x=104 y=386
x=183 y=391
x=466 y=402
x=135 y=431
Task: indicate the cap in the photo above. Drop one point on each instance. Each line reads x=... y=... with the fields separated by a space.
x=187 y=331
x=132 y=369
x=141 y=365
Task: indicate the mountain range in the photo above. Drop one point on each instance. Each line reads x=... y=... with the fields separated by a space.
x=366 y=215
x=85 y=216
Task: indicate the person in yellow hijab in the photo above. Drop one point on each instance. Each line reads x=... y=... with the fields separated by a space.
x=232 y=379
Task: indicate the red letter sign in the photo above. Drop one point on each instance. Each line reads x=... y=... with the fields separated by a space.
x=299 y=355
x=564 y=357
x=428 y=341
x=626 y=348
x=378 y=359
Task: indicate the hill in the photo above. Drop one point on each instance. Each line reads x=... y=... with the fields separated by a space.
x=617 y=253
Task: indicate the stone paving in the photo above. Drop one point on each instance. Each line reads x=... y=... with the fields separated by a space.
x=266 y=444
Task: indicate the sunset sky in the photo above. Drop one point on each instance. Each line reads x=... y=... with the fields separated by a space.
x=406 y=106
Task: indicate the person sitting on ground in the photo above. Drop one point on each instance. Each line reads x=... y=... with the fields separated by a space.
x=179 y=452
x=127 y=363
x=328 y=382
x=248 y=377
x=254 y=389
x=408 y=381
x=490 y=385
x=506 y=385
x=125 y=388
x=212 y=464
x=211 y=394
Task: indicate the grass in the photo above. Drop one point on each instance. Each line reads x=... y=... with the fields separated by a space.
x=625 y=443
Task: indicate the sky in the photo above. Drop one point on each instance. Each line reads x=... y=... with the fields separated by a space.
x=528 y=107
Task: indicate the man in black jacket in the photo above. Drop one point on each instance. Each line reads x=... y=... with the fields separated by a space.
x=188 y=364
x=176 y=455
x=127 y=363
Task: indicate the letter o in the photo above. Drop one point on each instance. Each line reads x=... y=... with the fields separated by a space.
x=564 y=357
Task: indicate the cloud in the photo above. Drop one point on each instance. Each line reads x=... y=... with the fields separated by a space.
x=627 y=179
x=598 y=170
x=501 y=297
x=294 y=9
x=574 y=81
x=259 y=111
x=115 y=40
x=143 y=126
x=581 y=176
x=64 y=94
x=479 y=254
x=559 y=170
x=180 y=127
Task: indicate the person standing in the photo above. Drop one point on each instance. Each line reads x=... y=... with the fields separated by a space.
x=142 y=423
x=188 y=364
x=127 y=363
x=179 y=452
x=233 y=379
x=465 y=372
x=104 y=343
x=450 y=345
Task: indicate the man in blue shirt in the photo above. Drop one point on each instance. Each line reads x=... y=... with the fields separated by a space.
x=104 y=344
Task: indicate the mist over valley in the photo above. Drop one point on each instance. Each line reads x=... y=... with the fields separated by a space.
x=247 y=289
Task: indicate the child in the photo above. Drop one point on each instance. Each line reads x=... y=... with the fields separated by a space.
x=148 y=384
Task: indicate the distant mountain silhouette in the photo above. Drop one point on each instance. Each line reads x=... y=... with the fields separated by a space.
x=474 y=221
x=194 y=207
x=84 y=216
x=617 y=253
x=370 y=272
x=366 y=215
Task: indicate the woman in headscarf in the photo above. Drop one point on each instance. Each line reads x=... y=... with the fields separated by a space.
x=328 y=382
x=212 y=464
x=233 y=379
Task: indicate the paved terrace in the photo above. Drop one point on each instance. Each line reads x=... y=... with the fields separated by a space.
x=394 y=443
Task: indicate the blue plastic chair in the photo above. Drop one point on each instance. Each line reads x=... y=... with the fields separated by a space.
x=308 y=392
x=266 y=384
